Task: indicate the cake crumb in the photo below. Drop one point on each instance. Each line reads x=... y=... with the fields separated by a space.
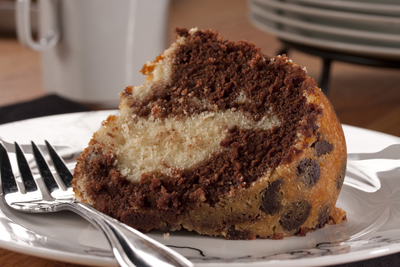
x=166 y=236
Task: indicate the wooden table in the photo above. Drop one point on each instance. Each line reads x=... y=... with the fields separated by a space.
x=363 y=96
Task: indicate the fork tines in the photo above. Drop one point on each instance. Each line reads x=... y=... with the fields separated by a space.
x=8 y=183
x=47 y=183
x=60 y=165
x=26 y=173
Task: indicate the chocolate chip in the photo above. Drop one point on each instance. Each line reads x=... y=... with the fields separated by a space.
x=308 y=172
x=340 y=178
x=295 y=215
x=323 y=147
x=270 y=202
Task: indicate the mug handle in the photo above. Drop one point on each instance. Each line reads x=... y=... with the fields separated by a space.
x=23 y=27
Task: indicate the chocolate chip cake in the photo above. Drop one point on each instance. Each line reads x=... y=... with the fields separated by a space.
x=221 y=140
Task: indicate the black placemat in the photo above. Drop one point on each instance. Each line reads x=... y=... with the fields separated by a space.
x=44 y=106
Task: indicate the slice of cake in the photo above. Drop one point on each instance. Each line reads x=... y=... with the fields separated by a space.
x=221 y=140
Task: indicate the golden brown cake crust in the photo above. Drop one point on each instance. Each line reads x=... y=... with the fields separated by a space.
x=266 y=183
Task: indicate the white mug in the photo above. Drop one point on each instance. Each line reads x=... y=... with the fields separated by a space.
x=92 y=49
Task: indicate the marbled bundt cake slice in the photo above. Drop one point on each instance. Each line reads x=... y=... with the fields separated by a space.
x=221 y=140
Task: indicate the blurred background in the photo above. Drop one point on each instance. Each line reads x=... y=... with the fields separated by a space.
x=363 y=96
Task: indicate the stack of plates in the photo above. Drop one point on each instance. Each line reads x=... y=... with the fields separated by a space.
x=369 y=28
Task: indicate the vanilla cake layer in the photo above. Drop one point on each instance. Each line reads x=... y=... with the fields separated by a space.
x=161 y=145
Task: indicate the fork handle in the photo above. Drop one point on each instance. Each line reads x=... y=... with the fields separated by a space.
x=129 y=246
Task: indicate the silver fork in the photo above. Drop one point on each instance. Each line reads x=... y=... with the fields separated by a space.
x=52 y=193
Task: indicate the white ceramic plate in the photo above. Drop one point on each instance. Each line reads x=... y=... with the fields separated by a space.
x=350 y=17
x=310 y=38
x=349 y=32
x=362 y=36
x=332 y=18
x=370 y=195
x=379 y=7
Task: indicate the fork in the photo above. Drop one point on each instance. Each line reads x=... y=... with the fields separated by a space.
x=52 y=193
